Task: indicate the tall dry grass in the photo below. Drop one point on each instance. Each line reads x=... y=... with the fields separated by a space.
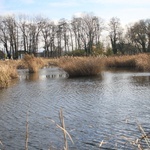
x=143 y=62
x=81 y=66
x=7 y=73
x=140 y=62
x=33 y=63
x=90 y=66
x=36 y=63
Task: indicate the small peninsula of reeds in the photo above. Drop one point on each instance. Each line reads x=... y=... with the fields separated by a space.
x=81 y=66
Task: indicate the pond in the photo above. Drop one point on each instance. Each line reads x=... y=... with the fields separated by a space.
x=98 y=111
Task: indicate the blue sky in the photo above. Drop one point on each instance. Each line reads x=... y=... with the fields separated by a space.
x=127 y=10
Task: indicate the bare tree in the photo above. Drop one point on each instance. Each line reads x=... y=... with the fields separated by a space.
x=4 y=35
x=115 y=31
x=87 y=30
x=23 y=25
x=139 y=35
x=12 y=31
x=48 y=32
x=75 y=27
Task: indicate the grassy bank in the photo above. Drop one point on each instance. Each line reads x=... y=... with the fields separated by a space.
x=81 y=66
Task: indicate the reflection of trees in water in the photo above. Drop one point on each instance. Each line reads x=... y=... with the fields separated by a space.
x=142 y=79
x=36 y=76
x=57 y=76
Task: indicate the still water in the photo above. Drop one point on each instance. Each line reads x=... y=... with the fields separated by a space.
x=107 y=109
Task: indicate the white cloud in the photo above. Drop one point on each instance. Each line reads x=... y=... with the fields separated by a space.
x=118 y=1
x=78 y=14
x=2 y=7
x=64 y=3
x=1 y=4
x=27 y=1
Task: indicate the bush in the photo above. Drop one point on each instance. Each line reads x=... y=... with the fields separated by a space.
x=77 y=52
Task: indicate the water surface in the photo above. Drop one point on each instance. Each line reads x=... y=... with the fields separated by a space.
x=104 y=108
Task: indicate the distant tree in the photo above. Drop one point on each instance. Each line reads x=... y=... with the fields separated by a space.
x=48 y=34
x=87 y=30
x=9 y=35
x=139 y=35
x=98 y=49
x=115 y=32
x=4 y=37
x=108 y=51
x=75 y=27
x=24 y=32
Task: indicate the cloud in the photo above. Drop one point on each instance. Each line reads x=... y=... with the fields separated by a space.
x=129 y=2
x=64 y=3
x=1 y=4
x=27 y=1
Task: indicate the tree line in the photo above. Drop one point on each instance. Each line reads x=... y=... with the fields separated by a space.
x=80 y=34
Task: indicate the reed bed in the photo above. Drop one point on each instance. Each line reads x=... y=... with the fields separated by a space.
x=81 y=66
x=7 y=73
x=143 y=62
x=51 y=61
x=138 y=62
x=74 y=66
x=36 y=63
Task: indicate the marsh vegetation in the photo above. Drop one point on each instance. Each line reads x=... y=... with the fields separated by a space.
x=74 y=66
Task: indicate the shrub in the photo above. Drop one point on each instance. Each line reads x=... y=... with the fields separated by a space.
x=77 y=52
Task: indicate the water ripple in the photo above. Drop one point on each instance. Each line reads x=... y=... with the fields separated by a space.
x=99 y=109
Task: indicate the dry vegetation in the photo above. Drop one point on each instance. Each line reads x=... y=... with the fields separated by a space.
x=81 y=66
x=8 y=68
x=33 y=63
x=74 y=66
x=90 y=66
x=140 y=62
x=7 y=73
x=36 y=63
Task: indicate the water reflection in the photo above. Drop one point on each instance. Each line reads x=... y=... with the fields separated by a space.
x=103 y=108
x=32 y=77
x=46 y=73
x=142 y=80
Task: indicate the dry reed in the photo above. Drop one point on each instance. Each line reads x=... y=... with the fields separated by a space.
x=64 y=129
x=7 y=73
x=143 y=62
x=27 y=132
x=33 y=63
x=81 y=66
x=139 y=62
